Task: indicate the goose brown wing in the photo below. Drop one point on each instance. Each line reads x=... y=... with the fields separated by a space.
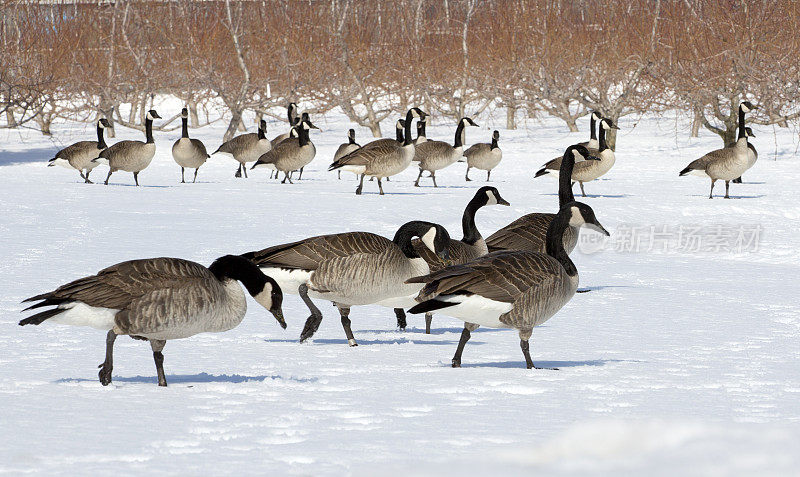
x=310 y=253
x=369 y=152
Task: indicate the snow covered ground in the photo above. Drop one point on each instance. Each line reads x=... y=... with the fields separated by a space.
x=682 y=360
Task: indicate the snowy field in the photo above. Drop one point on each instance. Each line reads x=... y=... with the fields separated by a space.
x=683 y=359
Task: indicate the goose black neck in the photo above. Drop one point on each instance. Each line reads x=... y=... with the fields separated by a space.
x=421 y=128
x=565 y=178
x=185 y=127
x=234 y=267
x=742 y=132
x=351 y=140
x=592 y=126
x=148 y=130
x=407 y=232
x=494 y=143
x=303 y=136
x=101 y=141
x=294 y=119
x=261 y=134
x=407 y=131
x=603 y=145
x=471 y=234
x=459 y=139
x=399 y=134
x=554 y=242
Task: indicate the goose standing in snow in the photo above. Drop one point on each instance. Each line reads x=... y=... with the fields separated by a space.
x=159 y=299
x=131 y=156
x=752 y=154
x=188 y=152
x=246 y=148
x=435 y=155
x=586 y=171
x=346 y=148
x=529 y=232
x=470 y=247
x=727 y=163
x=381 y=158
x=290 y=154
x=484 y=156
x=513 y=289
x=421 y=136
x=79 y=156
x=353 y=268
x=294 y=120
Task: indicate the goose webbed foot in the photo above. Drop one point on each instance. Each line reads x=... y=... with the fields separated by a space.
x=380 y=186
x=401 y=318
x=345 y=313
x=526 y=350
x=360 y=187
x=238 y=171
x=428 y=321
x=314 y=320
x=158 y=357
x=416 y=183
x=108 y=177
x=108 y=365
x=465 y=335
x=466 y=176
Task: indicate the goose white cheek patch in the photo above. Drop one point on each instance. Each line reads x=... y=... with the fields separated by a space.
x=428 y=239
x=576 y=218
x=492 y=199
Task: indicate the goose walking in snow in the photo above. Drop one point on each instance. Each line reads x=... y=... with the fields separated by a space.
x=346 y=148
x=727 y=163
x=353 y=268
x=188 y=152
x=435 y=155
x=529 y=232
x=246 y=148
x=290 y=154
x=752 y=154
x=484 y=156
x=159 y=299
x=79 y=156
x=514 y=289
x=131 y=156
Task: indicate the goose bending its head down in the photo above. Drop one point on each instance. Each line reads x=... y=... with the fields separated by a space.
x=79 y=156
x=131 y=156
x=353 y=268
x=246 y=148
x=292 y=153
x=381 y=158
x=346 y=148
x=529 y=232
x=484 y=156
x=435 y=155
x=513 y=289
x=727 y=163
x=159 y=299
x=188 y=152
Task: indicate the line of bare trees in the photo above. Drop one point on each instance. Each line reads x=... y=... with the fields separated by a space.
x=79 y=59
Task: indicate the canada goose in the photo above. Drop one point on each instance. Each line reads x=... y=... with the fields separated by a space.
x=381 y=158
x=592 y=144
x=752 y=154
x=79 y=156
x=353 y=268
x=512 y=289
x=435 y=155
x=529 y=232
x=290 y=154
x=346 y=148
x=131 y=156
x=421 y=137
x=159 y=299
x=399 y=127
x=727 y=163
x=470 y=247
x=484 y=156
x=586 y=171
x=246 y=147
x=294 y=120
x=188 y=152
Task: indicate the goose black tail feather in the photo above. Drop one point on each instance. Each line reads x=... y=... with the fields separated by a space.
x=685 y=171
x=38 y=318
x=430 y=305
x=541 y=172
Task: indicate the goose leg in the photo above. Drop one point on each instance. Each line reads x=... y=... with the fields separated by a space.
x=433 y=176
x=158 y=357
x=488 y=175
x=526 y=350
x=360 y=185
x=244 y=169
x=468 y=329
x=87 y=181
x=108 y=364
x=136 y=178
x=300 y=177
x=313 y=321
x=711 y=194
x=195 y=175
x=286 y=177
x=727 y=188
x=339 y=174
x=238 y=171
x=182 y=180
x=582 y=191
x=466 y=176
x=380 y=186
x=401 y=318
x=428 y=320
x=82 y=176
x=344 y=311
x=416 y=183
x=108 y=176
x=387 y=180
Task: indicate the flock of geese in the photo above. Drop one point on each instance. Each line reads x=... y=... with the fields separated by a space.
x=516 y=278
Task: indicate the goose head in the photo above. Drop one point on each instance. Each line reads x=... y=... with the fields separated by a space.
x=292 y=113
x=607 y=124
x=103 y=123
x=152 y=114
x=580 y=153
x=184 y=113
x=468 y=122
x=596 y=116
x=581 y=215
x=489 y=195
x=351 y=135
x=747 y=106
x=433 y=236
x=496 y=135
x=306 y=123
x=262 y=288
x=437 y=239
x=749 y=132
x=417 y=113
x=262 y=125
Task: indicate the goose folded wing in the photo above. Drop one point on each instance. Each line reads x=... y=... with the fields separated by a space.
x=369 y=152
x=310 y=253
x=521 y=233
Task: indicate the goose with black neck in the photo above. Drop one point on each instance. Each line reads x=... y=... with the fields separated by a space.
x=131 y=156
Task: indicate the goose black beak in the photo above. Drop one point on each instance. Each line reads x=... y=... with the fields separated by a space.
x=444 y=255
x=278 y=313
x=502 y=201
x=254 y=165
x=598 y=228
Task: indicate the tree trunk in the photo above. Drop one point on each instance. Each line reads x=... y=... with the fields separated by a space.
x=696 y=122
x=236 y=120
x=44 y=120
x=375 y=129
x=10 y=119
x=511 y=116
x=571 y=123
x=194 y=120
